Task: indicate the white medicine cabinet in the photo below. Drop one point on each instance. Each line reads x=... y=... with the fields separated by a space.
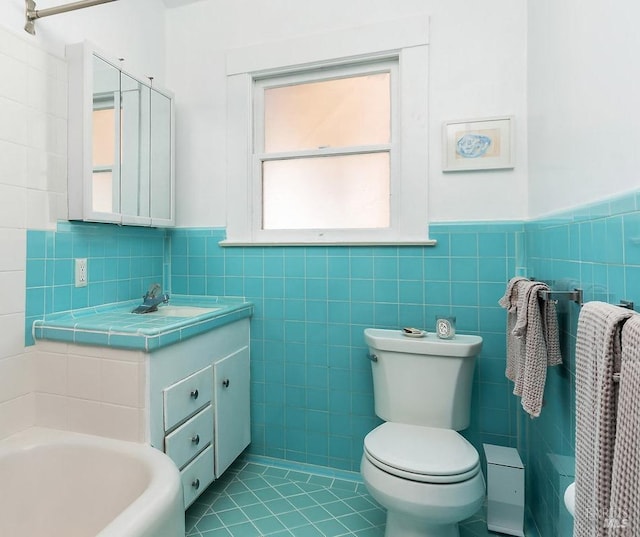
x=120 y=143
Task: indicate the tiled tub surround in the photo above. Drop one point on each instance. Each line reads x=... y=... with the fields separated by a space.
x=32 y=195
x=115 y=326
x=90 y=389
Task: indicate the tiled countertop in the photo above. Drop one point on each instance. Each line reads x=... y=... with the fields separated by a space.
x=113 y=325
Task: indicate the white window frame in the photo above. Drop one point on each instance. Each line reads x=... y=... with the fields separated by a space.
x=260 y=156
x=403 y=41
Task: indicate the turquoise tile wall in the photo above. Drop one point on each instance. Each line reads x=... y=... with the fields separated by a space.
x=311 y=382
x=596 y=248
x=122 y=263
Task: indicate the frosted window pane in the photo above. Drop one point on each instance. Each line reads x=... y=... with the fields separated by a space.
x=343 y=192
x=332 y=113
x=102 y=192
x=104 y=137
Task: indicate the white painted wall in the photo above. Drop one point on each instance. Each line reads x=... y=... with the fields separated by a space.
x=584 y=102
x=133 y=30
x=582 y=95
x=33 y=156
x=477 y=69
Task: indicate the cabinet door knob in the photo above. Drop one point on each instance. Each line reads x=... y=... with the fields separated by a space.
x=225 y=383
x=195 y=483
x=195 y=439
x=194 y=394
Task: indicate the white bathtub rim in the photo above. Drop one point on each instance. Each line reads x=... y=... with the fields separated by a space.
x=158 y=500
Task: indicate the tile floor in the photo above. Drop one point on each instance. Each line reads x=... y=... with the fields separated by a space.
x=258 y=497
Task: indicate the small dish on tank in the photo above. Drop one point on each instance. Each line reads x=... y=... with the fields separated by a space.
x=413 y=332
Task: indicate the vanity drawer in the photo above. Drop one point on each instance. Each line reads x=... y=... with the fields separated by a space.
x=185 y=397
x=190 y=438
x=197 y=476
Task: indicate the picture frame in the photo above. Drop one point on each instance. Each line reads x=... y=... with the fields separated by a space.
x=478 y=144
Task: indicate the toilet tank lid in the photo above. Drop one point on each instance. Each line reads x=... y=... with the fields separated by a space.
x=460 y=345
x=421 y=450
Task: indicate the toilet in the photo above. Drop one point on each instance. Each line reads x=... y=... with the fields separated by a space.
x=416 y=464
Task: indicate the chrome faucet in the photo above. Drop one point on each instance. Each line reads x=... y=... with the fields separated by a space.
x=152 y=299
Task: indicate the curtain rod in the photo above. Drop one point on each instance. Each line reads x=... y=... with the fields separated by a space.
x=32 y=13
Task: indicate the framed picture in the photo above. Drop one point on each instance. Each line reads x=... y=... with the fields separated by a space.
x=477 y=144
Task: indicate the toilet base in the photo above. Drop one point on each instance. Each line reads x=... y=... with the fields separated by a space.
x=416 y=509
x=402 y=525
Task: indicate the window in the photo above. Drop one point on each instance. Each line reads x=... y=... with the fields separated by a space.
x=323 y=148
x=333 y=147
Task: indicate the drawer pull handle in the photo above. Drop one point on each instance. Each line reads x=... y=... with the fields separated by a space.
x=225 y=383
x=195 y=439
x=195 y=483
x=194 y=394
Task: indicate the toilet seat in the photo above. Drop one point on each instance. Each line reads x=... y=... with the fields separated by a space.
x=423 y=454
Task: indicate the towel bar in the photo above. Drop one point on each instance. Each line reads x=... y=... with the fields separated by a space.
x=575 y=295
x=626 y=304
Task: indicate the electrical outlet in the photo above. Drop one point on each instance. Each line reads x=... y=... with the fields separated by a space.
x=81 y=272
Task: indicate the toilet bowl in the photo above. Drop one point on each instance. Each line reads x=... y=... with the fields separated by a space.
x=428 y=479
x=416 y=464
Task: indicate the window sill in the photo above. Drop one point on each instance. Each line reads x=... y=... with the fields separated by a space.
x=246 y=244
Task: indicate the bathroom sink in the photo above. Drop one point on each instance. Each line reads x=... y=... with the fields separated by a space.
x=181 y=311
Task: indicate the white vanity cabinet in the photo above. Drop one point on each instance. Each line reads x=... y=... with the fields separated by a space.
x=232 y=425
x=120 y=143
x=199 y=403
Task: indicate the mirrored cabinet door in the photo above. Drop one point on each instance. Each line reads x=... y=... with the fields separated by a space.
x=105 y=178
x=161 y=158
x=135 y=149
x=120 y=143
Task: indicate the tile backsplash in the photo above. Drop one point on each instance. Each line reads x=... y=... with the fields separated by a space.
x=122 y=263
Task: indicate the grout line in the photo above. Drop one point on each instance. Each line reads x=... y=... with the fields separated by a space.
x=352 y=506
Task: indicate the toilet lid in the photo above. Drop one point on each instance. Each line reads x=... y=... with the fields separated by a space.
x=422 y=453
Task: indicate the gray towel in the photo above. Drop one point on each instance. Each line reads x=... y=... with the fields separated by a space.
x=533 y=341
x=598 y=355
x=515 y=345
x=624 y=506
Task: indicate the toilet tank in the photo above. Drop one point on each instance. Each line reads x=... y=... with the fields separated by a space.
x=422 y=381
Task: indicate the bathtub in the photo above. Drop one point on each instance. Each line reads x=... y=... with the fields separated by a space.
x=61 y=484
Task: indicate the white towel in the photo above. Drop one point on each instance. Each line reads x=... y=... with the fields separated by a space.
x=597 y=358
x=532 y=341
x=624 y=506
